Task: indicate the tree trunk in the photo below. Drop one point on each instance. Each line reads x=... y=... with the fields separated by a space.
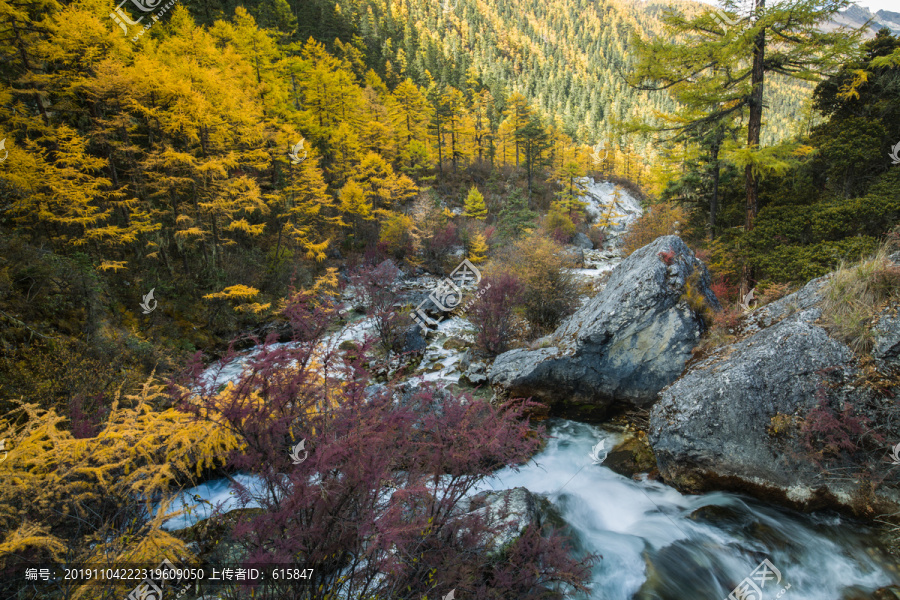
x=440 y=153
x=754 y=124
x=27 y=65
x=754 y=127
x=714 y=200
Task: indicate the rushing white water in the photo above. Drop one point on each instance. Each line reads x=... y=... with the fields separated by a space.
x=654 y=543
x=690 y=547
x=643 y=526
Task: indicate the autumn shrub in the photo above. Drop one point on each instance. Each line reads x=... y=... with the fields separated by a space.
x=559 y=225
x=397 y=234
x=854 y=294
x=87 y=415
x=783 y=425
x=729 y=317
x=657 y=220
x=722 y=327
x=380 y=505
x=667 y=257
x=696 y=300
x=725 y=291
x=492 y=314
x=549 y=289
x=830 y=434
x=438 y=246
x=597 y=236
x=380 y=290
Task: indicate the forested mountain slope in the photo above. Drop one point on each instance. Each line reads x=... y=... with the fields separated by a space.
x=566 y=55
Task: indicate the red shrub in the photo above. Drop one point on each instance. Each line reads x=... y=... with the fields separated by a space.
x=86 y=417
x=375 y=253
x=380 y=287
x=561 y=236
x=492 y=312
x=667 y=257
x=724 y=291
x=828 y=433
x=440 y=244
x=380 y=505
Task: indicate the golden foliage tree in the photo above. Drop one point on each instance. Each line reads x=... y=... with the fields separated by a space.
x=474 y=205
x=104 y=483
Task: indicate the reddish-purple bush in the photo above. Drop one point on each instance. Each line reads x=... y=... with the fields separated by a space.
x=597 y=236
x=492 y=313
x=440 y=244
x=561 y=235
x=380 y=287
x=667 y=257
x=379 y=506
x=86 y=417
x=724 y=291
x=829 y=433
x=375 y=254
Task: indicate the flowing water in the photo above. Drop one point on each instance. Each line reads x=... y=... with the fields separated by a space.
x=655 y=543
x=688 y=547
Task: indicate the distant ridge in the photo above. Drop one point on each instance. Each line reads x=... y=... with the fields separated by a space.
x=857 y=16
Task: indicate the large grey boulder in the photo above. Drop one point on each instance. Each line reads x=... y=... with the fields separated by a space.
x=713 y=427
x=582 y=241
x=623 y=345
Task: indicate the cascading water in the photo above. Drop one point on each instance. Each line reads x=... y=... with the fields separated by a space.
x=654 y=542
x=657 y=543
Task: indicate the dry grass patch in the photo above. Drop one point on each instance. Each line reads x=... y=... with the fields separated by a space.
x=855 y=294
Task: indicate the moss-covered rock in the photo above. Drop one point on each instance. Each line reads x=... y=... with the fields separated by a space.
x=631 y=456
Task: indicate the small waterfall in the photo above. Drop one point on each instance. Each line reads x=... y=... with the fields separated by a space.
x=659 y=544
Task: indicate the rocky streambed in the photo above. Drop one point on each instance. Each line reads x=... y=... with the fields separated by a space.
x=679 y=531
